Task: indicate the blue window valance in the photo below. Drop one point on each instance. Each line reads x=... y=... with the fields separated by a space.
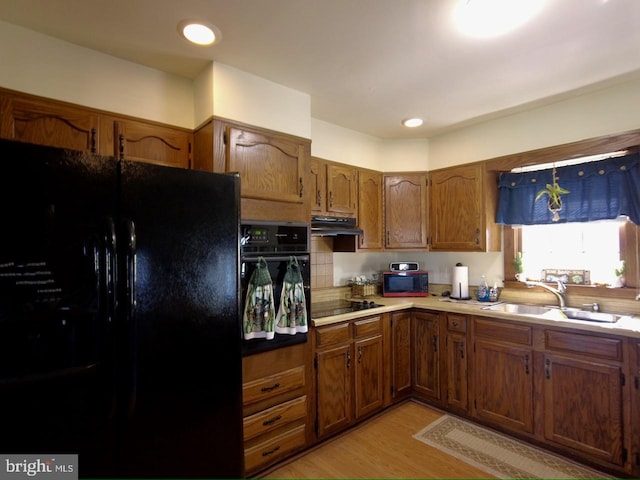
x=599 y=190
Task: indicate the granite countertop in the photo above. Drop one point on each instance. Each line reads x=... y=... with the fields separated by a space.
x=628 y=326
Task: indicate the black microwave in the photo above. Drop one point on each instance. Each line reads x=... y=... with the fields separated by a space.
x=413 y=283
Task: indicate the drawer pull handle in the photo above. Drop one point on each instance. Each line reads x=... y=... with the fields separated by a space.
x=547 y=369
x=271 y=452
x=526 y=364
x=455 y=324
x=270 y=389
x=271 y=421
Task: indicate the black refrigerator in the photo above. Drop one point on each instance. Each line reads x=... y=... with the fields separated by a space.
x=120 y=326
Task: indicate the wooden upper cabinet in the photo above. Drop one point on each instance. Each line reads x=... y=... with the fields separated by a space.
x=334 y=188
x=462 y=215
x=49 y=123
x=270 y=167
x=57 y=124
x=405 y=210
x=341 y=189
x=148 y=142
x=370 y=210
x=318 y=185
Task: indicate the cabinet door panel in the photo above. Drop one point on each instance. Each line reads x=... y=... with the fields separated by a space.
x=457 y=395
x=426 y=338
x=341 y=189
x=401 y=354
x=318 y=185
x=504 y=385
x=43 y=123
x=456 y=202
x=370 y=210
x=369 y=375
x=270 y=168
x=151 y=143
x=583 y=406
x=334 y=389
x=406 y=214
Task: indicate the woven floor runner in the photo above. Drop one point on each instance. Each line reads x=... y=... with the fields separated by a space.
x=497 y=454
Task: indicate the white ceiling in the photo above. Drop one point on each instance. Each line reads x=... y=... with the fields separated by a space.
x=367 y=64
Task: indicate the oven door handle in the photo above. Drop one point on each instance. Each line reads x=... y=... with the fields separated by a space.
x=253 y=258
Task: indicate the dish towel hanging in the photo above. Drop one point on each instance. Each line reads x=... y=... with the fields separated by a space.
x=292 y=314
x=259 y=311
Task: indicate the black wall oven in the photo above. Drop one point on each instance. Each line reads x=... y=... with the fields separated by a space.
x=276 y=242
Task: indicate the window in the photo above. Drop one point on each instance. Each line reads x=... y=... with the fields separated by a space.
x=629 y=233
x=591 y=246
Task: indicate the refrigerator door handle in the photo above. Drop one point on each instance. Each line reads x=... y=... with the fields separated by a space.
x=109 y=271
x=130 y=259
x=130 y=307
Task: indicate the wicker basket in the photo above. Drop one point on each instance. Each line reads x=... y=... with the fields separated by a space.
x=364 y=290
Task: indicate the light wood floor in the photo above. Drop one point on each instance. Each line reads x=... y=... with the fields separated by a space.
x=382 y=447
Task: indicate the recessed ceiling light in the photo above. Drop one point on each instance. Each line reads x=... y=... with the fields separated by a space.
x=490 y=18
x=412 y=122
x=200 y=33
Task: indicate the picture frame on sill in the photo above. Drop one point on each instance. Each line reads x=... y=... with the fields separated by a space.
x=569 y=277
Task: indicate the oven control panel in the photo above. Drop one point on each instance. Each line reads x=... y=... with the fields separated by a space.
x=274 y=237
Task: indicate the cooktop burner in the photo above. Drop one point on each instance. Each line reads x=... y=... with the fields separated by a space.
x=328 y=309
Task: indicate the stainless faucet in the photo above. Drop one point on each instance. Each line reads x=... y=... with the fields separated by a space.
x=560 y=292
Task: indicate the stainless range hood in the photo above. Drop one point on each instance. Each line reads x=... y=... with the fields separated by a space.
x=322 y=226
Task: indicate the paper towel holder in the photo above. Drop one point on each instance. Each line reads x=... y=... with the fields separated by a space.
x=462 y=287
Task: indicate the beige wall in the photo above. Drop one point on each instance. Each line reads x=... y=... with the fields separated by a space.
x=613 y=109
x=42 y=65
x=238 y=95
x=354 y=148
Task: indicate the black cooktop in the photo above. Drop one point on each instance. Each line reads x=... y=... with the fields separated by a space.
x=328 y=309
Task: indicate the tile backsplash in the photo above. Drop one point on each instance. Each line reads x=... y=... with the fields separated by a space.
x=321 y=262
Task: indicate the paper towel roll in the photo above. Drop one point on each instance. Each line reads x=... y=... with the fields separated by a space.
x=460 y=283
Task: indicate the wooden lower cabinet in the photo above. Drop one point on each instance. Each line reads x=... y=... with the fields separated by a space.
x=503 y=374
x=334 y=384
x=426 y=345
x=574 y=392
x=401 y=354
x=457 y=359
x=634 y=370
x=349 y=373
x=277 y=393
x=583 y=395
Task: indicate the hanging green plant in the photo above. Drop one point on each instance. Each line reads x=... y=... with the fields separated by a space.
x=554 y=192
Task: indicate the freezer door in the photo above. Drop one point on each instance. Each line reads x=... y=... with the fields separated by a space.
x=183 y=376
x=57 y=293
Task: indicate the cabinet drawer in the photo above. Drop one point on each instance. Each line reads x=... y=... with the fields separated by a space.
x=367 y=327
x=273 y=385
x=333 y=334
x=602 y=347
x=457 y=323
x=273 y=449
x=507 y=332
x=274 y=417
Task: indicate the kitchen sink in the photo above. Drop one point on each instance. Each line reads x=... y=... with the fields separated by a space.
x=554 y=313
x=519 y=309
x=577 y=314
